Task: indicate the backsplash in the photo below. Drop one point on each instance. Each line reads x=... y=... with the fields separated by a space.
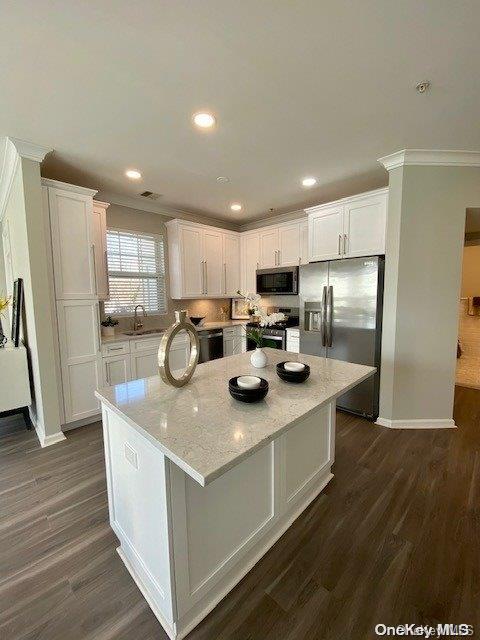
x=211 y=309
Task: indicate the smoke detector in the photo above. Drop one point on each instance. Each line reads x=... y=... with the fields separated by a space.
x=423 y=86
x=151 y=195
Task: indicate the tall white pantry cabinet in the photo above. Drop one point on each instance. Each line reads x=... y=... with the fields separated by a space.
x=78 y=246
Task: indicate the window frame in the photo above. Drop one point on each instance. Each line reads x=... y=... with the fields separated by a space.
x=158 y=237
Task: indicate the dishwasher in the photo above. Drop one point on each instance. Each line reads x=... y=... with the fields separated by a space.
x=211 y=344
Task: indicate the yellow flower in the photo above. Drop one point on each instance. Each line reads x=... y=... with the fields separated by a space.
x=4 y=302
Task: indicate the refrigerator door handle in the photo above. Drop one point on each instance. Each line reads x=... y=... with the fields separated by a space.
x=329 y=317
x=323 y=317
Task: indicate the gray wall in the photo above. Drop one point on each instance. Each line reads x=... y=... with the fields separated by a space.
x=24 y=216
x=121 y=217
x=425 y=235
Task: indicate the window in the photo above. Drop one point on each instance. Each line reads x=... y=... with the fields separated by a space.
x=136 y=272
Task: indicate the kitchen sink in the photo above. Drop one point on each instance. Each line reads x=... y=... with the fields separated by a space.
x=143 y=332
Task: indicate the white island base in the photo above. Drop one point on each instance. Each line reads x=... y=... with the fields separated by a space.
x=186 y=545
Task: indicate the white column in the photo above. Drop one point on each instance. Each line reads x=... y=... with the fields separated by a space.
x=429 y=194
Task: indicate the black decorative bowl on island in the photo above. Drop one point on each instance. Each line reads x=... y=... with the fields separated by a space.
x=196 y=320
x=293 y=376
x=247 y=395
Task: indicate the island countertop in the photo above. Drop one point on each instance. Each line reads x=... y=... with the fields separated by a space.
x=204 y=431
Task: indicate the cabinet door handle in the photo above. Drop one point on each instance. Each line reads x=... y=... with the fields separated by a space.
x=202 y=266
x=94 y=263
x=225 y=276
x=344 y=244
x=339 y=244
x=106 y=272
x=206 y=277
x=279 y=257
x=99 y=334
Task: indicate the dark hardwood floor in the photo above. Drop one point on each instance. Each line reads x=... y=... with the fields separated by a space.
x=394 y=538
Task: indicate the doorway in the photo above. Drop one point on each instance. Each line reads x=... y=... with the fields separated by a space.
x=468 y=351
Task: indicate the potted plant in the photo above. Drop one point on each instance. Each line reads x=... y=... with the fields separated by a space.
x=4 y=302
x=108 y=326
x=258 y=357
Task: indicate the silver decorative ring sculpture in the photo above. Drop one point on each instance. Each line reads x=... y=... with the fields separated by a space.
x=181 y=324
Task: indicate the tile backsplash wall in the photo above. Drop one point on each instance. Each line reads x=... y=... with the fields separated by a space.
x=211 y=309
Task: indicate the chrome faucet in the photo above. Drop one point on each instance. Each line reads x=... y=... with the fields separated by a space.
x=136 y=322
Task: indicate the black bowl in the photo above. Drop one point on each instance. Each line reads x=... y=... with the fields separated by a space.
x=247 y=395
x=292 y=376
x=196 y=319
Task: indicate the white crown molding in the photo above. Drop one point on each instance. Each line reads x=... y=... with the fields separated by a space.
x=28 y=150
x=431 y=157
x=102 y=205
x=347 y=199
x=425 y=423
x=10 y=159
x=66 y=186
x=288 y=216
x=13 y=150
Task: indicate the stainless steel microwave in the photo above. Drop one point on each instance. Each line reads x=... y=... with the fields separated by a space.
x=277 y=281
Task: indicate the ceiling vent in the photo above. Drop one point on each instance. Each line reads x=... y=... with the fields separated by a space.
x=151 y=195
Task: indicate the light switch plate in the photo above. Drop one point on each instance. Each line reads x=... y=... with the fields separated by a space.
x=131 y=455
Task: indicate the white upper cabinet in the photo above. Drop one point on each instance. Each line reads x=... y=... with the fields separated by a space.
x=304 y=242
x=204 y=262
x=71 y=219
x=268 y=247
x=289 y=251
x=99 y=236
x=364 y=226
x=231 y=264
x=249 y=261
x=325 y=230
x=213 y=263
x=191 y=264
x=348 y=228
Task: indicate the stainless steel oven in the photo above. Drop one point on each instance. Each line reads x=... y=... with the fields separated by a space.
x=278 y=281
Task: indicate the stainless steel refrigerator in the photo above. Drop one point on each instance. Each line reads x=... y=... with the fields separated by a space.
x=341 y=317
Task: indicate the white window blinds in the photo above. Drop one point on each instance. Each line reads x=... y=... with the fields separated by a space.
x=136 y=272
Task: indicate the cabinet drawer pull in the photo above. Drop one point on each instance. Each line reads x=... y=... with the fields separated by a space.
x=115 y=348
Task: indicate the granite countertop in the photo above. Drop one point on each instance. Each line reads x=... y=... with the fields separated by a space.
x=122 y=337
x=204 y=431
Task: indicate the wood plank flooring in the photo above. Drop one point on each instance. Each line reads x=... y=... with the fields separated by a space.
x=394 y=538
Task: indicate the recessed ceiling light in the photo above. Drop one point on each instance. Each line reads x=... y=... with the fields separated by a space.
x=204 y=120
x=309 y=182
x=133 y=174
x=236 y=206
x=223 y=179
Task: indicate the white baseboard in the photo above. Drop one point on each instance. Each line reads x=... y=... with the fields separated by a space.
x=424 y=423
x=81 y=423
x=46 y=441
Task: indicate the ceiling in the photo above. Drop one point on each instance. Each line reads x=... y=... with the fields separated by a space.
x=309 y=87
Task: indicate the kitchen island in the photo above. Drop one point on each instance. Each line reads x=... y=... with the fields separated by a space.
x=200 y=486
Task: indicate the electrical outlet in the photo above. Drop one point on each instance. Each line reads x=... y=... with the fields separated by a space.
x=131 y=455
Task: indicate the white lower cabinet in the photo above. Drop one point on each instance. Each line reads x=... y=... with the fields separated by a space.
x=79 y=339
x=293 y=340
x=139 y=359
x=234 y=341
x=144 y=365
x=116 y=369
